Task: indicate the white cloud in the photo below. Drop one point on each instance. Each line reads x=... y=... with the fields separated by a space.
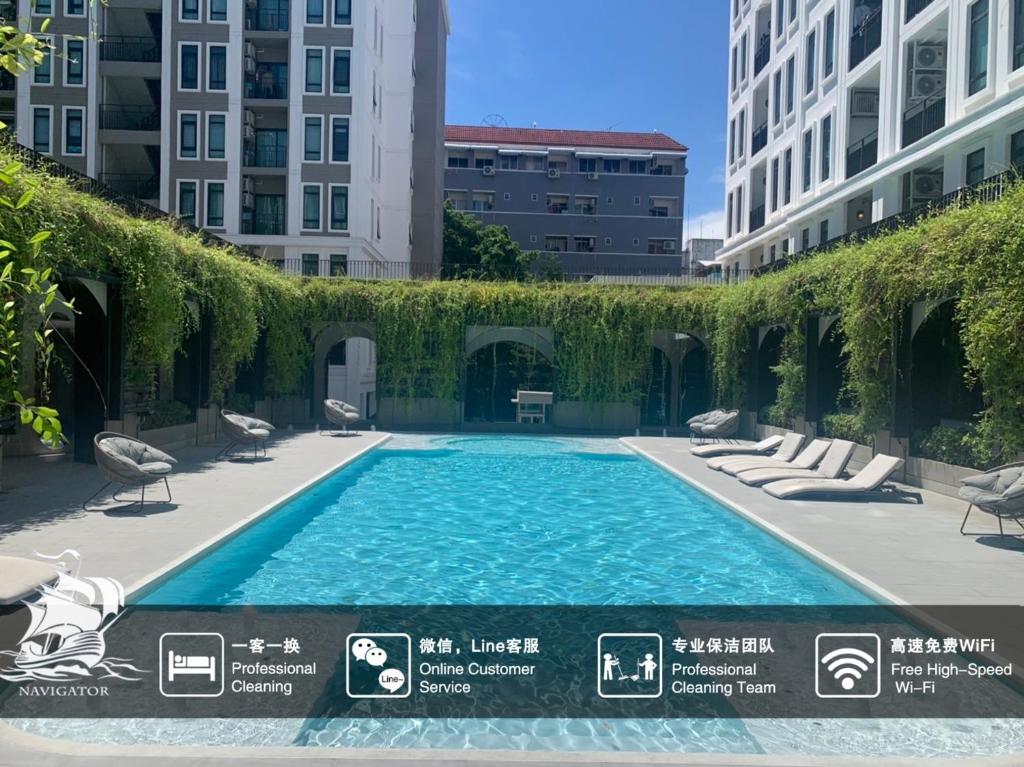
x=708 y=225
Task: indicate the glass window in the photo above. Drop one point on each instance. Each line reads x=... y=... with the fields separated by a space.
x=310 y=265
x=187 y=201
x=775 y=184
x=42 y=8
x=728 y=216
x=313 y=141
x=805 y=238
x=977 y=69
x=218 y=68
x=780 y=17
x=339 y=140
x=339 y=264
x=215 y=204
x=743 y=57
x=792 y=10
x=612 y=166
x=314 y=71
x=509 y=162
x=215 y=137
x=823 y=232
x=1017 y=150
x=790 y=84
x=735 y=67
x=732 y=141
x=741 y=135
x=808 y=158
x=638 y=167
x=975 y=168
x=810 y=64
x=43 y=73
x=787 y=178
x=188 y=136
x=1018 y=34
x=218 y=10
x=829 y=53
x=190 y=10
x=339 y=208
x=453 y=162
x=41 y=130
x=189 y=75
x=342 y=11
x=340 y=72
x=74 y=73
x=311 y=207
x=314 y=11
x=826 y=148
x=588 y=165
x=777 y=100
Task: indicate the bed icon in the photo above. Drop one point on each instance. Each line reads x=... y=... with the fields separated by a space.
x=191 y=665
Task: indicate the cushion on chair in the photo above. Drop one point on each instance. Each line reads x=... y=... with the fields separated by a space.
x=259 y=433
x=979 y=497
x=982 y=481
x=156 y=468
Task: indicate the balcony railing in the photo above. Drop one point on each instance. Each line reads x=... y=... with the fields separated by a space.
x=757 y=218
x=914 y=7
x=762 y=55
x=142 y=186
x=125 y=48
x=759 y=139
x=264 y=225
x=266 y=157
x=267 y=20
x=866 y=38
x=862 y=155
x=924 y=118
x=129 y=117
x=267 y=88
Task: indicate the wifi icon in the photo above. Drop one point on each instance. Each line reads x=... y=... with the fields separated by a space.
x=848 y=665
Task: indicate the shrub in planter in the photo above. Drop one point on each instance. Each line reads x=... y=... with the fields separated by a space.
x=167 y=413
x=240 y=402
x=949 y=445
x=844 y=426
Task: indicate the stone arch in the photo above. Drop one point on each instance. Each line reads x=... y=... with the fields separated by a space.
x=326 y=336
x=490 y=382
x=538 y=338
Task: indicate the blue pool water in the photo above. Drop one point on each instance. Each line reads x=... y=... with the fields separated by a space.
x=504 y=520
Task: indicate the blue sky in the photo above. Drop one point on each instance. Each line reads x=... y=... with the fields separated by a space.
x=625 y=64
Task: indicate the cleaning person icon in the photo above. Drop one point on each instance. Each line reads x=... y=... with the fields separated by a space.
x=610 y=663
x=648 y=665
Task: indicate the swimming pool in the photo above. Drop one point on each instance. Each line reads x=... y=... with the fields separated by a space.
x=516 y=520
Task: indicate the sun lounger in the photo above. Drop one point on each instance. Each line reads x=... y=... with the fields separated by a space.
x=866 y=484
x=20 y=578
x=787 y=451
x=757 y=448
x=808 y=458
x=831 y=467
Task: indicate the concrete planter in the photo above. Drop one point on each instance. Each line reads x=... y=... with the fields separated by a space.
x=938 y=477
x=604 y=417
x=170 y=437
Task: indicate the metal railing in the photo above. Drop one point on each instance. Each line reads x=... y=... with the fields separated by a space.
x=924 y=118
x=914 y=7
x=866 y=38
x=142 y=186
x=264 y=225
x=757 y=218
x=762 y=55
x=128 y=48
x=258 y=88
x=266 y=157
x=129 y=117
x=862 y=155
x=267 y=20
x=759 y=139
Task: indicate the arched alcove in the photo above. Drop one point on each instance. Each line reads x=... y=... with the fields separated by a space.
x=496 y=371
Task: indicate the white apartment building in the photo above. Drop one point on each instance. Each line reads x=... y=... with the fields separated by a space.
x=845 y=112
x=286 y=126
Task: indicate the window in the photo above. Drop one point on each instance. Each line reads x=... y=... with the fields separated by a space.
x=342 y=12
x=311 y=206
x=339 y=208
x=808 y=157
x=188 y=67
x=811 y=63
x=588 y=166
x=584 y=244
x=777 y=99
x=215 y=136
x=189 y=10
x=787 y=178
x=1017 y=150
x=975 y=172
x=41 y=129
x=217 y=76
x=218 y=10
x=743 y=57
x=790 y=84
x=739 y=209
x=585 y=205
x=823 y=232
x=43 y=73
x=314 y=70
x=483 y=162
x=780 y=17
x=74 y=63
x=826 y=148
x=187 y=201
x=728 y=215
x=1018 y=34
x=735 y=67
x=556 y=244
x=188 y=136
x=313 y=140
x=829 y=53
x=215 y=203
x=338 y=265
x=458 y=162
x=741 y=137
x=638 y=167
x=339 y=141
x=732 y=141
x=612 y=166
x=805 y=238
x=977 y=65
x=311 y=265
x=340 y=62
x=42 y=8
x=792 y=10
x=775 y=184
x=509 y=162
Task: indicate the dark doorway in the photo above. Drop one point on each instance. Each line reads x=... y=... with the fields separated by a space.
x=832 y=363
x=496 y=372
x=940 y=393
x=654 y=408
x=768 y=357
x=694 y=384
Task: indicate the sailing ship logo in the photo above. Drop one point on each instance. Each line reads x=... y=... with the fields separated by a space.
x=65 y=638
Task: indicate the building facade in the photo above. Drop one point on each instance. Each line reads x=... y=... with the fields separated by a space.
x=594 y=200
x=285 y=127
x=843 y=113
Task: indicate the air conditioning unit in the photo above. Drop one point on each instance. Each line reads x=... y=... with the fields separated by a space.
x=864 y=103
x=250 y=65
x=926 y=184
x=250 y=50
x=248 y=200
x=248 y=185
x=250 y=117
x=488 y=170
x=592 y=176
x=924 y=85
x=929 y=56
x=250 y=133
x=554 y=173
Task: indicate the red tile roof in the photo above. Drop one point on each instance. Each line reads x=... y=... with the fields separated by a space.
x=562 y=138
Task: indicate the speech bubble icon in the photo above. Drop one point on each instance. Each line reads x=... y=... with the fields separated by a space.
x=361 y=646
x=391 y=679
x=375 y=656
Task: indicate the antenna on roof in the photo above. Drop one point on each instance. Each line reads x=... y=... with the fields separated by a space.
x=534 y=124
x=494 y=120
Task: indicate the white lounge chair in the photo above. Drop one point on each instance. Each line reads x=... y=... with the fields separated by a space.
x=867 y=483
x=757 y=448
x=808 y=458
x=787 y=451
x=832 y=466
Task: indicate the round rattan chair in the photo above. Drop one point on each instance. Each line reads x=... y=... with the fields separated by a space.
x=341 y=414
x=243 y=430
x=129 y=462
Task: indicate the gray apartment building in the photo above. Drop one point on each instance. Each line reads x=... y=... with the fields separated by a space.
x=286 y=126
x=597 y=201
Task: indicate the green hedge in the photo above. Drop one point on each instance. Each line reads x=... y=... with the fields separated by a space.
x=975 y=254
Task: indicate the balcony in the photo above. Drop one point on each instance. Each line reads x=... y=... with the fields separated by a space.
x=124 y=48
x=759 y=139
x=264 y=224
x=762 y=55
x=923 y=118
x=757 y=218
x=138 y=185
x=129 y=117
x=914 y=7
x=862 y=155
x=866 y=38
x=266 y=157
x=267 y=20
x=268 y=84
